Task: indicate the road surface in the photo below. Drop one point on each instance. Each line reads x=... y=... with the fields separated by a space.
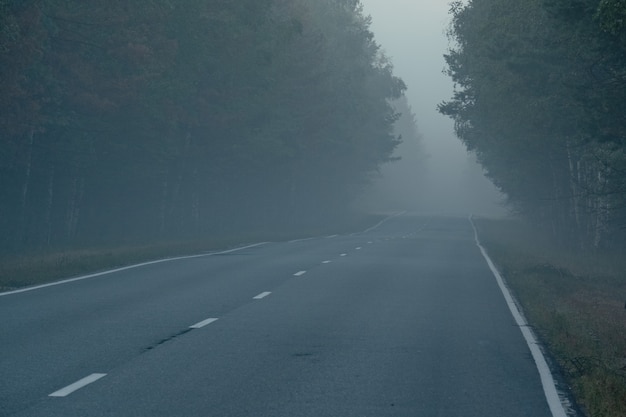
x=405 y=319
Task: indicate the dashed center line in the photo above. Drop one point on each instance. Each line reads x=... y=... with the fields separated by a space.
x=96 y=376
x=203 y=323
x=262 y=295
x=64 y=392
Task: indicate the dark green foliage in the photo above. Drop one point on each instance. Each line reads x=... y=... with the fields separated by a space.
x=540 y=88
x=153 y=119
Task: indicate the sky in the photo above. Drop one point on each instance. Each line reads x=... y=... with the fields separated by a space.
x=413 y=34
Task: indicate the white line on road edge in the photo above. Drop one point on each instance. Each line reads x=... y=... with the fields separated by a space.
x=299 y=274
x=112 y=271
x=262 y=295
x=64 y=392
x=203 y=323
x=301 y=240
x=547 y=380
x=383 y=221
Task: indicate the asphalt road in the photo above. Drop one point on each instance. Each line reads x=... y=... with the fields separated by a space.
x=405 y=319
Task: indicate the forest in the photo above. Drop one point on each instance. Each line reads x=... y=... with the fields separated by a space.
x=540 y=88
x=159 y=120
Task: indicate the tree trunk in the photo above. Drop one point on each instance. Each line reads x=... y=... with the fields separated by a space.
x=178 y=183
x=602 y=210
x=195 y=201
x=22 y=230
x=293 y=191
x=574 y=185
x=74 y=208
x=163 y=205
x=49 y=204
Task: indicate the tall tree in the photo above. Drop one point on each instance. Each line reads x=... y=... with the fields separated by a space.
x=135 y=121
x=538 y=88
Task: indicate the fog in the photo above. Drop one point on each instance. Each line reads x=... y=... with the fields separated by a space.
x=171 y=133
x=412 y=34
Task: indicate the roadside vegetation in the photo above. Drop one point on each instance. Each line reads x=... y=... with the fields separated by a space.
x=163 y=121
x=132 y=131
x=47 y=266
x=539 y=96
x=540 y=87
x=575 y=302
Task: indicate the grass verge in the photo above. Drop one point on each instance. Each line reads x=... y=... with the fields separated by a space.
x=40 y=268
x=575 y=303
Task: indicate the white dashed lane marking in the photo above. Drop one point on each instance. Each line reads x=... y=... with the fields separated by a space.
x=203 y=323
x=64 y=392
x=262 y=295
x=96 y=376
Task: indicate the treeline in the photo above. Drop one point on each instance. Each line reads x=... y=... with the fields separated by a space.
x=540 y=96
x=400 y=184
x=156 y=119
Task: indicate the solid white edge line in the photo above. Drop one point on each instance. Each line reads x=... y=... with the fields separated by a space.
x=301 y=240
x=112 y=271
x=203 y=323
x=299 y=273
x=547 y=380
x=262 y=295
x=383 y=221
x=64 y=392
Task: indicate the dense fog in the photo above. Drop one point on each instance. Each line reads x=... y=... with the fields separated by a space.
x=535 y=90
x=436 y=174
x=153 y=121
x=130 y=123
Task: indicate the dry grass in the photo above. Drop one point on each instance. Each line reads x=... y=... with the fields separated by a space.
x=38 y=268
x=576 y=303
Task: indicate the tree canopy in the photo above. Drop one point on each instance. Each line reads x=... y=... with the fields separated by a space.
x=150 y=119
x=540 y=88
